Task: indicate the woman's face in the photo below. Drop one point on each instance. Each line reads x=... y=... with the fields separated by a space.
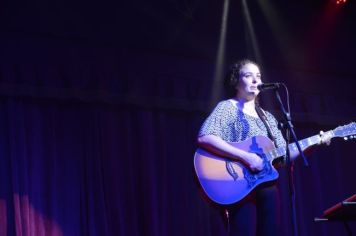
x=250 y=77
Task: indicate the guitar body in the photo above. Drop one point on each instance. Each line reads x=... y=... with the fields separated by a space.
x=226 y=181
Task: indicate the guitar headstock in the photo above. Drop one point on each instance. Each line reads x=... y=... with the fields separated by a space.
x=345 y=130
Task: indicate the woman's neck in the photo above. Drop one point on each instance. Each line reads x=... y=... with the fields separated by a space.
x=243 y=103
x=246 y=106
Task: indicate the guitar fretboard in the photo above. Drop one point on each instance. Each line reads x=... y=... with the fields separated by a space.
x=304 y=143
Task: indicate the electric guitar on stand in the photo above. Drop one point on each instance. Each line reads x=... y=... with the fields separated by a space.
x=226 y=181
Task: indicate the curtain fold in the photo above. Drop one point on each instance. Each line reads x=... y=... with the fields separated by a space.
x=91 y=147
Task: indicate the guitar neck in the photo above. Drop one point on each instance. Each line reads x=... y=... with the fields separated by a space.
x=304 y=144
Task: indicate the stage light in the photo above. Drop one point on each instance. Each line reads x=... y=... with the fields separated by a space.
x=340 y=2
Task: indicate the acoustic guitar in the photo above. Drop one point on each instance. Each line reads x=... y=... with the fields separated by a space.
x=226 y=181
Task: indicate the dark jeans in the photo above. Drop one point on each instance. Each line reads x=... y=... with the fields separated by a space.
x=257 y=214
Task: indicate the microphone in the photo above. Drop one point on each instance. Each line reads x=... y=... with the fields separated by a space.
x=266 y=86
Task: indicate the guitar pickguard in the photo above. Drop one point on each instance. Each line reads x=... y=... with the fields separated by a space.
x=252 y=178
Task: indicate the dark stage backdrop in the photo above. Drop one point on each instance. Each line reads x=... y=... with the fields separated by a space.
x=96 y=141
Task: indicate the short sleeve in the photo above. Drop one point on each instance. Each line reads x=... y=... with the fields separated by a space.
x=218 y=121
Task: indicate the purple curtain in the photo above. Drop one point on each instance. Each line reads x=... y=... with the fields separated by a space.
x=101 y=142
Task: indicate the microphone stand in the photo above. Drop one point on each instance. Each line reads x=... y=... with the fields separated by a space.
x=289 y=128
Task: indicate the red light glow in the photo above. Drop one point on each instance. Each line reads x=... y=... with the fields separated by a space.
x=340 y=2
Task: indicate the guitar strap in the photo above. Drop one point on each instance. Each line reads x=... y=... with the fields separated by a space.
x=261 y=113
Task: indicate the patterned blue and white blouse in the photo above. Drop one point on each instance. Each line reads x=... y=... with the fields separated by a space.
x=232 y=125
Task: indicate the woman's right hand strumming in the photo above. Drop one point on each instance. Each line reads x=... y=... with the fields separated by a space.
x=254 y=162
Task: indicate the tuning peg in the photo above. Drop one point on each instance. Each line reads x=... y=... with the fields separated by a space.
x=350 y=137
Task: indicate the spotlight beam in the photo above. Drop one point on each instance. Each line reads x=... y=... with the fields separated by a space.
x=220 y=57
x=251 y=32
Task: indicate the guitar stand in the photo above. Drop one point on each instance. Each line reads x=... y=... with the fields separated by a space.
x=344 y=211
